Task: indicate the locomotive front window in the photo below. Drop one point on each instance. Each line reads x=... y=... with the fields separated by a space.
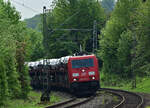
x=82 y=63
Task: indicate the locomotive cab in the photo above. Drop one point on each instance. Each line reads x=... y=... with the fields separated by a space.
x=83 y=73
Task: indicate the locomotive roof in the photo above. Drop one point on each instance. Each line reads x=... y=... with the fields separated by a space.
x=52 y=62
x=82 y=56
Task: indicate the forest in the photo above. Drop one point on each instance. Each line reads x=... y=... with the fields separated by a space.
x=123 y=29
x=17 y=45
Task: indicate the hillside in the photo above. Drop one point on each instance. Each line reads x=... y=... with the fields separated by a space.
x=33 y=22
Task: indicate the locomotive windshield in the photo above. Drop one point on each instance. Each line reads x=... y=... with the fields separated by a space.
x=82 y=63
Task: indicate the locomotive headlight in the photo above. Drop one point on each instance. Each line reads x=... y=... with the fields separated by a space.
x=75 y=74
x=92 y=73
x=74 y=79
x=93 y=78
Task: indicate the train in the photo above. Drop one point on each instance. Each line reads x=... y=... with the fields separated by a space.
x=78 y=73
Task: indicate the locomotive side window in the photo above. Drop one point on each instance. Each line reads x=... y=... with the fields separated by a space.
x=82 y=63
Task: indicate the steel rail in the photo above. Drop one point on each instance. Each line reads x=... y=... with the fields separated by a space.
x=122 y=103
x=80 y=103
x=124 y=95
x=71 y=103
x=61 y=103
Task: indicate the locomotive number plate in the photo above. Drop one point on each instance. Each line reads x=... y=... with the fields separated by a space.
x=83 y=74
x=83 y=79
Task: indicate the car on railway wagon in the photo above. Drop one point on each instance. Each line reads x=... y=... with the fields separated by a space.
x=76 y=73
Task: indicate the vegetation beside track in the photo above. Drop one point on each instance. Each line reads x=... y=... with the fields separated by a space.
x=123 y=43
x=33 y=101
x=142 y=85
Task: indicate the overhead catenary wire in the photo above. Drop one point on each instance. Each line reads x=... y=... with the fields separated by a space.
x=44 y=2
x=69 y=29
x=25 y=6
x=65 y=21
x=73 y=29
x=69 y=18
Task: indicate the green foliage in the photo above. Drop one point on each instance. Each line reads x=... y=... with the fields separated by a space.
x=34 y=46
x=7 y=49
x=25 y=82
x=34 y=98
x=22 y=70
x=116 y=39
x=142 y=61
x=142 y=85
x=13 y=82
x=124 y=54
x=17 y=45
x=3 y=83
x=33 y=22
x=70 y=14
x=12 y=14
x=125 y=42
x=14 y=39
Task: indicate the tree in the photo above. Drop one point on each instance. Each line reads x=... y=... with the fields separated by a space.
x=34 y=46
x=3 y=72
x=3 y=83
x=12 y=32
x=72 y=14
x=124 y=54
x=8 y=48
x=116 y=37
x=142 y=61
x=21 y=44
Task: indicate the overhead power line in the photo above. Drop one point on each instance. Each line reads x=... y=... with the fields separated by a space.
x=69 y=18
x=22 y=4
x=65 y=21
x=72 y=29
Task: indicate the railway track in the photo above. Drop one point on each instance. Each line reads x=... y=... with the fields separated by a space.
x=126 y=100
x=129 y=99
x=70 y=103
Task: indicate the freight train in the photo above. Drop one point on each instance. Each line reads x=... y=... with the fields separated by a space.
x=76 y=73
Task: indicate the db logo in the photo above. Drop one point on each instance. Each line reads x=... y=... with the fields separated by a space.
x=83 y=70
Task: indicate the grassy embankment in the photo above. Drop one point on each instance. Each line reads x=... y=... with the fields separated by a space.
x=142 y=85
x=32 y=102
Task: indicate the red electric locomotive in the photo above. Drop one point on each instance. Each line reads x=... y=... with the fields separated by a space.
x=76 y=73
x=83 y=73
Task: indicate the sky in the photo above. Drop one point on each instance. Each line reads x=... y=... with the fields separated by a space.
x=29 y=8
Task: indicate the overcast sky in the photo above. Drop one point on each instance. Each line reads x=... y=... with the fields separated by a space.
x=29 y=8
